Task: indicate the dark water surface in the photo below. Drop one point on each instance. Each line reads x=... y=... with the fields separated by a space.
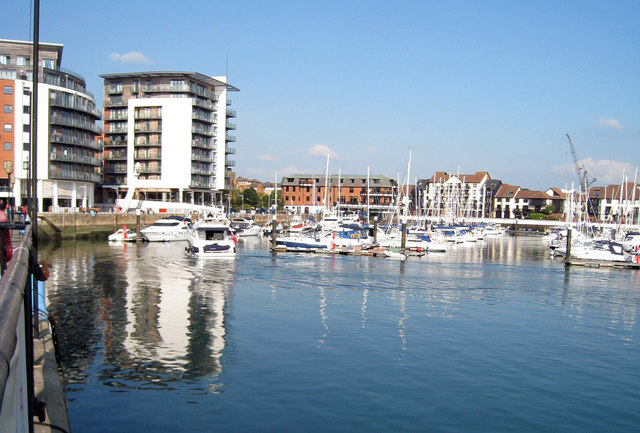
x=485 y=338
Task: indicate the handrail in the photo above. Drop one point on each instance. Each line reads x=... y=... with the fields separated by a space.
x=12 y=291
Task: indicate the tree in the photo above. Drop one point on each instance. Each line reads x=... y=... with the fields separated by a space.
x=251 y=197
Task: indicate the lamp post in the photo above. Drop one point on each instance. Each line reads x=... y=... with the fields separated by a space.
x=9 y=170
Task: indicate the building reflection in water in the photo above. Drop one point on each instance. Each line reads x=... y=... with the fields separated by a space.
x=159 y=315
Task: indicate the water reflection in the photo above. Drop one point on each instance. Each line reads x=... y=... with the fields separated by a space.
x=151 y=313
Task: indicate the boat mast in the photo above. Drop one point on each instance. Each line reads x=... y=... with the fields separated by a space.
x=326 y=185
x=339 y=173
x=368 y=187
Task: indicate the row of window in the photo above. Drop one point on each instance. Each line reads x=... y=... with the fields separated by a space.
x=9 y=109
x=5 y=59
x=352 y=180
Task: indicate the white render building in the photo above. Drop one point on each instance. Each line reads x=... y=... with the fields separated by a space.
x=167 y=135
x=68 y=162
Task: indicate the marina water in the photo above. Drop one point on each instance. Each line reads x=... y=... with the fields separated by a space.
x=492 y=336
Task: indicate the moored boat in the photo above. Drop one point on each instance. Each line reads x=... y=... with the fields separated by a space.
x=123 y=235
x=169 y=229
x=212 y=238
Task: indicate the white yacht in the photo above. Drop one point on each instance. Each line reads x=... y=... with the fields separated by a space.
x=212 y=237
x=245 y=227
x=172 y=228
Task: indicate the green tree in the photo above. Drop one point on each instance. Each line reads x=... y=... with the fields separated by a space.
x=251 y=197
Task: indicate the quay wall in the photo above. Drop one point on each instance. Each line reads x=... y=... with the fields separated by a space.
x=67 y=226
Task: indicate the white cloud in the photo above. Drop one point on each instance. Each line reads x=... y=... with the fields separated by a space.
x=322 y=151
x=267 y=158
x=288 y=170
x=132 y=57
x=609 y=122
x=605 y=171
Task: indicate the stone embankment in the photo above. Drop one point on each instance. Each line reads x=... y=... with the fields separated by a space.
x=63 y=226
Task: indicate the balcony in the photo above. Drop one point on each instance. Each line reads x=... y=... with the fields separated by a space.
x=114 y=90
x=230 y=126
x=148 y=143
x=115 y=156
x=115 y=102
x=75 y=140
x=204 y=143
x=202 y=131
x=74 y=157
x=203 y=104
x=75 y=123
x=144 y=116
x=202 y=117
x=231 y=113
x=148 y=156
x=115 y=143
x=229 y=138
x=229 y=150
x=229 y=163
x=56 y=172
x=147 y=128
x=77 y=106
x=202 y=157
x=150 y=170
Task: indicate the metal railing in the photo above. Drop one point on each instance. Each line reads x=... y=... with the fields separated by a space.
x=16 y=336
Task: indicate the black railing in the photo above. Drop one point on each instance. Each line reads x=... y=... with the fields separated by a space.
x=15 y=297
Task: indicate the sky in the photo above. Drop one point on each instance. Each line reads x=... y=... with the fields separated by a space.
x=461 y=86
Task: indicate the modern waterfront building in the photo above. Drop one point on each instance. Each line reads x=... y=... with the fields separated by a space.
x=308 y=193
x=68 y=153
x=167 y=135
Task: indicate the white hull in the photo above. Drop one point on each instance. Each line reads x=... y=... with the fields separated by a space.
x=212 y=238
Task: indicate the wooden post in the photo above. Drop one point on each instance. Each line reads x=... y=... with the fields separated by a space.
x=403 y=243
x=274 y=224
x=375 y=230
x=138 y=237
x=568 y=253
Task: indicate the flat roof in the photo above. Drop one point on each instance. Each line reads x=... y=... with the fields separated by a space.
x=150 y=74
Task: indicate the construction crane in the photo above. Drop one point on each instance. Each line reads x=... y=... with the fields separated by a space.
x=585 y=179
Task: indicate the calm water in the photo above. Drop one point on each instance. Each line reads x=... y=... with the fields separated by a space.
x=489 y=337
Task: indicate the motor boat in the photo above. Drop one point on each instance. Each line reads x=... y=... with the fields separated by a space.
x=245 y=227
x=212 y=237
x=123 y=235
x=172 y=228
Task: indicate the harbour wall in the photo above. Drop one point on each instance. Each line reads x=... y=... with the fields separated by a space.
x=68 y=226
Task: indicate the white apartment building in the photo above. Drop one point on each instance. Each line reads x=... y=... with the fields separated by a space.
x=68 y=163
x=454 y=196
x=167 y=136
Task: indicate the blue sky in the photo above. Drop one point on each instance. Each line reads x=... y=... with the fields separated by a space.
x=468 y=85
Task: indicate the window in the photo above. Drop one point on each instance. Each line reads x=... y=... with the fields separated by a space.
x=8 y=90
x=26 y=91
x=26 y=109
x=49 y=63
x=8 y=108
x=7 y=146
x=26 y=128
x=26 y=147
x=4 y=59
x=8 y=127
x=21 y=61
